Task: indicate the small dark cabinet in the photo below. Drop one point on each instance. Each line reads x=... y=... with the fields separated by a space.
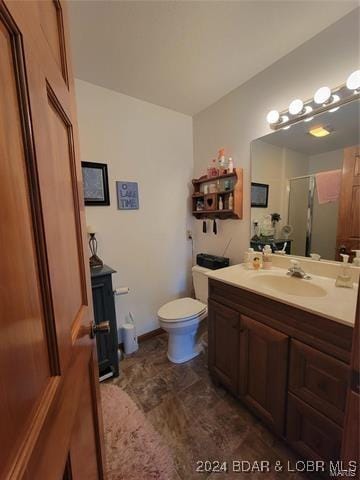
x=104 y=310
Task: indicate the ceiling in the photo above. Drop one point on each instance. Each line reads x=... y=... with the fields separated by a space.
x=185 y=55
x=344 y=125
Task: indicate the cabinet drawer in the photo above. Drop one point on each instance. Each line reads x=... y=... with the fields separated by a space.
x=310 y=433
x=319 y=380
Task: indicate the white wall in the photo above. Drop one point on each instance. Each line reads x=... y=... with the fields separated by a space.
x=153 y=146
x=239 y=117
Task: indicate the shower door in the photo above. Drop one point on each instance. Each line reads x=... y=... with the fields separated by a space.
x=300 y=212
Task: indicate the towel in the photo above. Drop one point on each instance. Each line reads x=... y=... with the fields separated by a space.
x=328 y=186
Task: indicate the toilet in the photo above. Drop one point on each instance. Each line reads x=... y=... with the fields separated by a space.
x=181 y=319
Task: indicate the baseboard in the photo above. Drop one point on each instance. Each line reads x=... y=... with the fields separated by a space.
x=146 y=336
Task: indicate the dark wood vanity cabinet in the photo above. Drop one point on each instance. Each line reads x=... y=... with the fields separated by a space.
x=290 y=367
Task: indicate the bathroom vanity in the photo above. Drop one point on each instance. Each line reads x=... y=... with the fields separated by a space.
x=285 y=354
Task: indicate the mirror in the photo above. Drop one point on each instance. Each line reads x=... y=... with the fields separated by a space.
x=297 y=180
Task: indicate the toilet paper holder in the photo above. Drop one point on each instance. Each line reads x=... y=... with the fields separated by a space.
x=121 y=291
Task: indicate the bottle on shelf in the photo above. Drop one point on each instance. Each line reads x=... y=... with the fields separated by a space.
x=213 y=170
x=221 y=161
x=231 y=202
x=221 y=203
x=230 y=168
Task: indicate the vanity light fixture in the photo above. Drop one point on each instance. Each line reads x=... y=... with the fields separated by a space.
x=319 y=132
x=353 y=81
x=324 y=100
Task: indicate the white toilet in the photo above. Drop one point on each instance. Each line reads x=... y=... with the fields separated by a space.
x=181 y=318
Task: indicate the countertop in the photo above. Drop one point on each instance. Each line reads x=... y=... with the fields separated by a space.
x=338 y=304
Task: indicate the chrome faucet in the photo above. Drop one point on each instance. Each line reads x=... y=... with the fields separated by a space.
x=296 y=271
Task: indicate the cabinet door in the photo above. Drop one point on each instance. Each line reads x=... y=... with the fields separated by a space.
x=319 y=380
x=263 y=371
x=310 y=433
x=224 y=324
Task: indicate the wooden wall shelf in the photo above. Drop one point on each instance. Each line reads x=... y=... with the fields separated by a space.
x=211 y=200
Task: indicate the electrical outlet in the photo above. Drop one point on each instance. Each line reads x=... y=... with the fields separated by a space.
x=189 y=234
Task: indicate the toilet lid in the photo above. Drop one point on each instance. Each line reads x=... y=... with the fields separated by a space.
x=181 y=309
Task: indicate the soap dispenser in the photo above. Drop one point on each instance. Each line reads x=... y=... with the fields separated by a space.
x=356 y=259
x=344 y=277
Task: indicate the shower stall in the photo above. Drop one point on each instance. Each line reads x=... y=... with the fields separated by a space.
x=314 y=225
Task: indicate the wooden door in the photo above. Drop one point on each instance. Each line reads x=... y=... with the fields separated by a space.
x=224 y=324
x=263 y=371
x=49 y=395
x=348 y=231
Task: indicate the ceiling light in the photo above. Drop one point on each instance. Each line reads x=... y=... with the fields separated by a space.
x=322 y=95
x=273 y=116
x=296 y=106
x=353 y=81
x=319 y=132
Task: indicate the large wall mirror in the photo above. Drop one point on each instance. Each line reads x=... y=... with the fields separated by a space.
x=305 y=190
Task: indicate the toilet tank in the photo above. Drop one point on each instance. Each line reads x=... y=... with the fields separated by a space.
x=200 y=280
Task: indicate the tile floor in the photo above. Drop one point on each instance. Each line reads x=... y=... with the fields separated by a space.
x=198 y=420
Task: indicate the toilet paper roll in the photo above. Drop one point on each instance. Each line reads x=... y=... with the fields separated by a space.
x=121 y=291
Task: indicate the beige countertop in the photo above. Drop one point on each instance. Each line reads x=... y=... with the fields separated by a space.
x=338 y=304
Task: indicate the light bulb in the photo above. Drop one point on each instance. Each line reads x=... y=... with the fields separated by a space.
x=322 y=95
x=308 y=109
x=284 y=119
x=353 y=81
x=296 y=106
x=335 y=99
x=273 y=117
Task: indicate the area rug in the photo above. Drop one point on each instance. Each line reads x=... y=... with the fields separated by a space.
x=134 y=450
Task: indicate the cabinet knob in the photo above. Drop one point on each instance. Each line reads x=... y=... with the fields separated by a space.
x=102 y=327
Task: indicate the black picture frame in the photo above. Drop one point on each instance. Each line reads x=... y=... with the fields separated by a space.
x=96 y=184
x=259 y=195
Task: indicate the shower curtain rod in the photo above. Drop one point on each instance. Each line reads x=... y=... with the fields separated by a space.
x=302 y=176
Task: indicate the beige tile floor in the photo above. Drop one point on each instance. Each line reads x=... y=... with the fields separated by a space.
x=198 y=420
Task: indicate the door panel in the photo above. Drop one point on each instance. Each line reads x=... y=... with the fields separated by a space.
x=310 y=433
x=263 y=371
x=51 y=21
x=319 y=380
x=224 y=326
x=49 y=395
x=23 y=347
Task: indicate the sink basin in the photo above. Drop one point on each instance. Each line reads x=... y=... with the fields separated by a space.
x=290 y=285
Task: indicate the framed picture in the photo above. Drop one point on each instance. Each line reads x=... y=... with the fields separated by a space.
x=127 y=195
x=96 y=184
x=259 y=195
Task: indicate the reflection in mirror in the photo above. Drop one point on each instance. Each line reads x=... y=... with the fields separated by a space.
x=305 y=190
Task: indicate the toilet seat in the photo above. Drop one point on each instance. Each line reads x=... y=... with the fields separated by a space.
x=181 y=309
